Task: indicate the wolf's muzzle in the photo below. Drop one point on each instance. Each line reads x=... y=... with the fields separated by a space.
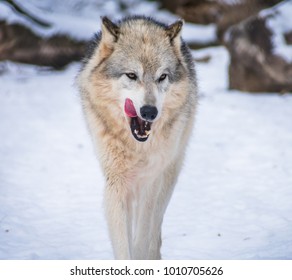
x=140 y=127
x=148 y=113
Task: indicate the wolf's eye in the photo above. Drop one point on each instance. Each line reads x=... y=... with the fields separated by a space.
x=162 y=78
x=132 y=76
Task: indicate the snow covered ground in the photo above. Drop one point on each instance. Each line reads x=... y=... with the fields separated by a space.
x=233 y=199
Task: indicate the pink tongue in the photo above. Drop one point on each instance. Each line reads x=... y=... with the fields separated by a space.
x=130 y=109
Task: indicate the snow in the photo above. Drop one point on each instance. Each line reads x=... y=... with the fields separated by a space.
x=279 y=21
x=232 y=200
x=81 y=20
x=199 y=33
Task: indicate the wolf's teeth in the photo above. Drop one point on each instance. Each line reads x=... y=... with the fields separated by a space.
x=145 y=135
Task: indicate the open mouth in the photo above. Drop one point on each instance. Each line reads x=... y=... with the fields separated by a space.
x=139 y=128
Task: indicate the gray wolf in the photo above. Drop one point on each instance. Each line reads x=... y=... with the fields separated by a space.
x=138 y=90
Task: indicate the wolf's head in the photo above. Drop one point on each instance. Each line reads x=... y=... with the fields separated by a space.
x=138 y=60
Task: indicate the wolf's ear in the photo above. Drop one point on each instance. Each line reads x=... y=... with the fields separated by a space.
x=110 y=31
x=109 y=35
x=173 y=30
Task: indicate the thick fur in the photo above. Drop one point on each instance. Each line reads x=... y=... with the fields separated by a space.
x=140 y=176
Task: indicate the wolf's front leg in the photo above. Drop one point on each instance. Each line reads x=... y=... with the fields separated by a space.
x=164 y=190
x=118 y=214
x=152 y=206
x=142 y=226
x=147 y=241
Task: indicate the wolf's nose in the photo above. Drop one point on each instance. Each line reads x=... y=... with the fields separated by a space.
x=148 y=113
